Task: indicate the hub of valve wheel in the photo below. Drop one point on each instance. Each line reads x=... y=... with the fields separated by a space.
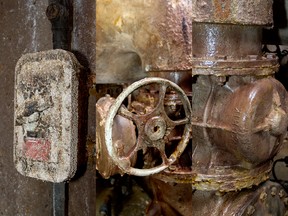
x=155 y=128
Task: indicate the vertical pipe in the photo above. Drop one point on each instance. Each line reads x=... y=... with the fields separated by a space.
x=59 y=199
x=59 y=16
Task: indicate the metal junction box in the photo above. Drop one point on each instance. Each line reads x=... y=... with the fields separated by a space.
x=46 y=115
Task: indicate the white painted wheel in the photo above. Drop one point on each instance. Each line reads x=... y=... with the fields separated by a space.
x=152 y=127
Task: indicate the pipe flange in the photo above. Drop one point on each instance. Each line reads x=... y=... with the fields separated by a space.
x=251 y=65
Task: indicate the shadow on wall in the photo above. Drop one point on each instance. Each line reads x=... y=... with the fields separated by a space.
x=123 y=66
x=277 y=34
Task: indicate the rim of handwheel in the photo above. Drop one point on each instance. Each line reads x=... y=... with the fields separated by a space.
x=124 y=164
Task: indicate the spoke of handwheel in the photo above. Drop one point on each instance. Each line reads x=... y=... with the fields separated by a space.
x=131 y=152
x=123 y=111
x=164 y=158
x=138 y=145
x=161 y=148
x=179 y=122
x=172 y=124
x=162 y=92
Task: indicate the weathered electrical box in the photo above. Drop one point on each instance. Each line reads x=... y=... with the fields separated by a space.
x=46 y=115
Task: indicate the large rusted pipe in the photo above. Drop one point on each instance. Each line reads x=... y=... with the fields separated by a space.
x=228 y=60
x=227 y=37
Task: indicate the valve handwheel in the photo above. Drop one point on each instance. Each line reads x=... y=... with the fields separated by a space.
x=153 y=127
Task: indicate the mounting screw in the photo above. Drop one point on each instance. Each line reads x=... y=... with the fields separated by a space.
x=281 y=193
x=53 y=11
x=172 y=167
x=270 y=56
x=263 y=196
x=221 y=80
x=273 y=191
x=250 y=210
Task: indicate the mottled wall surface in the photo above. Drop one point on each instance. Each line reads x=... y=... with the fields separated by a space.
x=25 y=29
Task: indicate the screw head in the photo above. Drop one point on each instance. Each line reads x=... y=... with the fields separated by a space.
x=273 y=191
x=263 y=196
x=53 y=11
x=250 y=210
x=281 y=193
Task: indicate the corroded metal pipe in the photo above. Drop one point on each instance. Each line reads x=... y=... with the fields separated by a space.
x=248 y=12
x=239 y=110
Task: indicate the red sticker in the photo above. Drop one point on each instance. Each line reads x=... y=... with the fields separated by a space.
x=37 y=149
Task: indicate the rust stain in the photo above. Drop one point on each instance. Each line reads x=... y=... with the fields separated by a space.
x=222 y=9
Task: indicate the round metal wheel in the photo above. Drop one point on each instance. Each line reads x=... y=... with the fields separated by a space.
x=152 y=127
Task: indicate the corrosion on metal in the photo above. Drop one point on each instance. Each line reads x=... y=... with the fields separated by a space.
x=236 y=129
x=151 y=127
x=242 y=67
x=247 y=12
x=149 y=35
x=124 y=137
x=256 y=201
